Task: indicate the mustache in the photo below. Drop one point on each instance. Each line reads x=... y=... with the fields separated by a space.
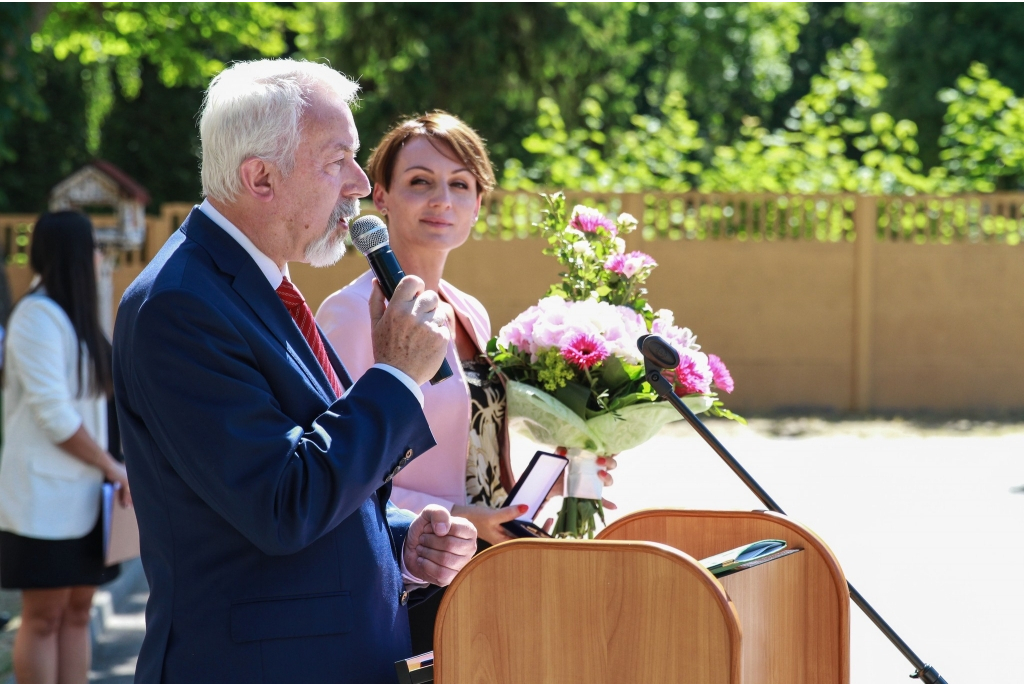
x=345 y=209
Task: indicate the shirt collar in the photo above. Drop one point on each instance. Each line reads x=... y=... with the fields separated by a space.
x=266 y=264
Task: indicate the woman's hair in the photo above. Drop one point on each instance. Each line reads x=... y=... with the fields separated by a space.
x=436 y=127
x=62 y=253
x=254 y=109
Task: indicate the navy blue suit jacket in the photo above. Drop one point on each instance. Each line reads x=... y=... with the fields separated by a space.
x=267 y=538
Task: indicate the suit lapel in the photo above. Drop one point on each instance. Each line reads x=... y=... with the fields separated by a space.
x=253 y=287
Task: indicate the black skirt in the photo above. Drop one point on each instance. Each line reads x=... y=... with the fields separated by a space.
x=35 y=564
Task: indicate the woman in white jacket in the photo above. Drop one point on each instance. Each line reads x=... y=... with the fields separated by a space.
x=57 y=379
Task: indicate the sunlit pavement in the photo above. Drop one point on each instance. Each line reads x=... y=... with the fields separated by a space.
x=118 y=626
x=923 y=520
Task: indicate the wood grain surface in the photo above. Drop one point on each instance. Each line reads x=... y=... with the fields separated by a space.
x=559 y=611
x=795 y=612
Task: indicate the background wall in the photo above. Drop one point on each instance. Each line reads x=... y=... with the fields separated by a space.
x=840 y=324
x=945 y=322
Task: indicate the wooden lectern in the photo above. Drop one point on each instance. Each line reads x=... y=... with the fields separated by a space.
x=636 y=606
x=795 y=612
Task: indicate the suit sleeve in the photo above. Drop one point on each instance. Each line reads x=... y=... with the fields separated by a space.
x=207 y=404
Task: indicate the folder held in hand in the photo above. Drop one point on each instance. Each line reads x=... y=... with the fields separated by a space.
x=120 y=528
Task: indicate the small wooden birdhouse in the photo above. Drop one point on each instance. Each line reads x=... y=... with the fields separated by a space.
x=100 y=186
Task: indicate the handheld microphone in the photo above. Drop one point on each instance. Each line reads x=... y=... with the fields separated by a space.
x=370 y=236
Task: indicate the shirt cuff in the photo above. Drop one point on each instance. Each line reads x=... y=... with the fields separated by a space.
x=406 y=380
x=411 y=582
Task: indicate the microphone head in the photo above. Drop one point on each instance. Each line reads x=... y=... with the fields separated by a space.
x=368 y=234
x=658 y=351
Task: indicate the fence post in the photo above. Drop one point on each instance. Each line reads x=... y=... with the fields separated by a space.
x=865 y=223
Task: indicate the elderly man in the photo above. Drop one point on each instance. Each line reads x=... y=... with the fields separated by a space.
x=260 y=472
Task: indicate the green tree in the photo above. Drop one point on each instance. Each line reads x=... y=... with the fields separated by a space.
x=487 y=63
x=983 y=139
x=46 y=148
x=835 y=140
x=68 y=64
x=154 y=138
x=492 y=63
x=924 y=47
x=654 y=152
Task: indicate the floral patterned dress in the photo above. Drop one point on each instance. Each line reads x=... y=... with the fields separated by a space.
x=487 y=413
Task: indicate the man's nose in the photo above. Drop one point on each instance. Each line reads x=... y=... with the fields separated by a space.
x=358 y=184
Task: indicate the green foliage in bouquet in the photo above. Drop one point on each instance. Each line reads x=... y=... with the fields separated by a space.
x=608 y=386
x=592 y=249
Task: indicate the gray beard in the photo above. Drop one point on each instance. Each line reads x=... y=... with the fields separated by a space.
x=330 y=247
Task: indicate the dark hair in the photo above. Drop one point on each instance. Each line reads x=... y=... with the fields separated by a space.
x=62 y=254
x=437 y=127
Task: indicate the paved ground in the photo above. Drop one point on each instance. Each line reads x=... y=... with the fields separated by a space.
x=119 y=624
x=922 y=517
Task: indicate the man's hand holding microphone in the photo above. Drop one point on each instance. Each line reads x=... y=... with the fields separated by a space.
x=411 y=333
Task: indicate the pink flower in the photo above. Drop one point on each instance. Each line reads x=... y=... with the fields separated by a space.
x=589 y=220
x=629 y=264
x=723 y=379
x=584 y=350
x=693 y=375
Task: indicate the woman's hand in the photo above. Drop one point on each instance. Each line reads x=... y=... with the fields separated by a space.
x=607 y=464
x=116 y=473
x=488 y=521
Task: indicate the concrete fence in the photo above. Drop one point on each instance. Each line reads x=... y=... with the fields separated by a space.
x=833 y=302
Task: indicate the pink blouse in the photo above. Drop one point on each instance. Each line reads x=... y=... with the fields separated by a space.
x=438 y=476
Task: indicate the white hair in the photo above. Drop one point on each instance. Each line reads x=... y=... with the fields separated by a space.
x=254 y=109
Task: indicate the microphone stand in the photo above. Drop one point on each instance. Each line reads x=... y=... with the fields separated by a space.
x=661 y=385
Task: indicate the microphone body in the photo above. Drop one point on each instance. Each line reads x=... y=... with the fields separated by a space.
x=369 y=234
x=386 y=268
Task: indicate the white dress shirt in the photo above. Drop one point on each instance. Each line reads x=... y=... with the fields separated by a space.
x=275 y=276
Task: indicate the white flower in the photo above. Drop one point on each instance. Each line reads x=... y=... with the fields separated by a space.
x=627 y=222
x=666 y=316
x=582 y=247
x=620 y=245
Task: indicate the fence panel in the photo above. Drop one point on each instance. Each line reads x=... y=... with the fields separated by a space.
x=997 y=218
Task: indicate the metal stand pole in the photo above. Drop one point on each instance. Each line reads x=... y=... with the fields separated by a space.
x=926 y=673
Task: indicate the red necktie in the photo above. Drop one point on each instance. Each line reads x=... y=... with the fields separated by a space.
x=303 y=316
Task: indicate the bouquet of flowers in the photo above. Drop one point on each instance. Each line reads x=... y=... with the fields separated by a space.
x=575 y=375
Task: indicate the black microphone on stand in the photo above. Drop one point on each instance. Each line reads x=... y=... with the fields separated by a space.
x=370 y=236
x=659 y=355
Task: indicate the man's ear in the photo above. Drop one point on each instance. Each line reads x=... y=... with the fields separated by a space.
x=257 y=179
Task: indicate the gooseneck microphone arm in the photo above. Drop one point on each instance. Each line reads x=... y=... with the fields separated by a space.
x=660 y=355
